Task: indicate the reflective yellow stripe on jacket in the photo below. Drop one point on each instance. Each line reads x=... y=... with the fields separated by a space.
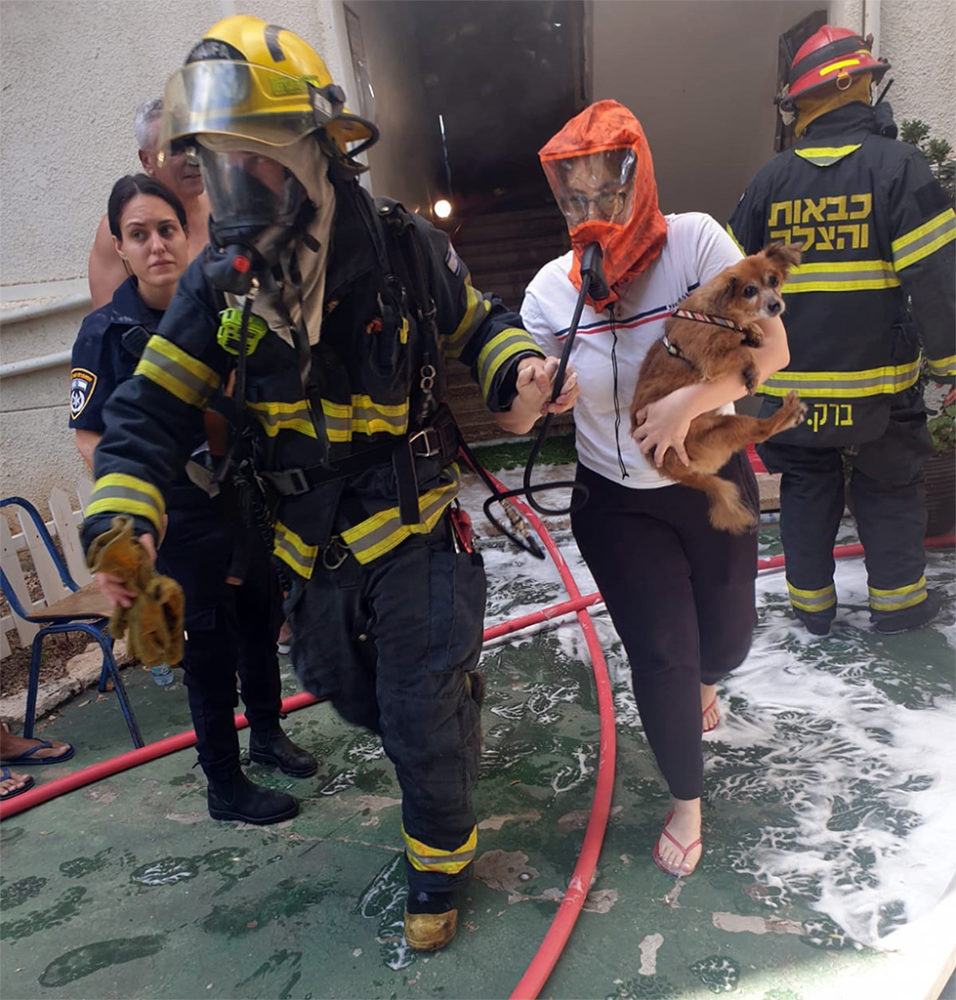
x=476 y=309
x=812 y=600
x=275 y=417
x=363 y=416
x=177 y=372
x=924 y=240
x=380 y=533
x=842 y=276
x=118 y=493
x=844 y=385
x=825 y=156
x=899 y=599
x=433 y=859
x=941 y=367
x=297 y=554
x=498 y=352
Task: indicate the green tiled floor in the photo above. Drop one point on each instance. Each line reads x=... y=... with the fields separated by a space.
x=127 y=889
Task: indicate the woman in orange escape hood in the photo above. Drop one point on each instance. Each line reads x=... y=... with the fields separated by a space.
x=680 y=593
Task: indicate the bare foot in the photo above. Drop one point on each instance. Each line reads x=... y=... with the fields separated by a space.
x=14 y=747
x=710 y=709
x=12 y=781
x=679 y=848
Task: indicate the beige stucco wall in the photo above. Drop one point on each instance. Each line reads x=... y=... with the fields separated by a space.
x=700 y=75
x=701 y=80
x=918 y=37
x=72 y=76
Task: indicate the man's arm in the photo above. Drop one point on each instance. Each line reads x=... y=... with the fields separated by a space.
x=923 y=231
x=106 y=270
x=86 y=442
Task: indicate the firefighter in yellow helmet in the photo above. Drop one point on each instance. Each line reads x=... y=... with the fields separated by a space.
x=329 y=316
x=873 y=296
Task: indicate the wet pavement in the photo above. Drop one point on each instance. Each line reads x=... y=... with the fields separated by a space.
x=830 y=816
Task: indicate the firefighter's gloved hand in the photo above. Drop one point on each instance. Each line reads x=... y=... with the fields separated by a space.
x=118 y=553
x=155 y=623
x=155 y=618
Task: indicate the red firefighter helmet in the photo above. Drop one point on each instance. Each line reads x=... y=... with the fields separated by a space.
x=829 y=56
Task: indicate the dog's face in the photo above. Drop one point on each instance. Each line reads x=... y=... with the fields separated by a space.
x=751 y=288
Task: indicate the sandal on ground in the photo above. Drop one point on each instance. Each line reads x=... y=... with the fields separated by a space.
x=710 y=708
x=27 y=756
x=7 y=775
x=662 y=864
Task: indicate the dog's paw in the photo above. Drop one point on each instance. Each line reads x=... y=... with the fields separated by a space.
x=795 y=409
x=753 y=337
x=751 y=379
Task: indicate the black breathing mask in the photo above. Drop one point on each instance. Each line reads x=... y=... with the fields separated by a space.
x=257 y=207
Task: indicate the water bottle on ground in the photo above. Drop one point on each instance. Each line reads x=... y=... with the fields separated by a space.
x=162 y=675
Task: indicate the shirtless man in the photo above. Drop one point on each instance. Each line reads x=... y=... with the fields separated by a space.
x=106 y=269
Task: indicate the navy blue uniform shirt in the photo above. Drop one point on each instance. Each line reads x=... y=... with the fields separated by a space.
x=106 y=352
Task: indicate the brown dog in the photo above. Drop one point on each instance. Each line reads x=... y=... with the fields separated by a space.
x=708 y=336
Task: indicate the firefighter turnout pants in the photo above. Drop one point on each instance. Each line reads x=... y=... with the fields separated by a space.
x=886 y=495
x=392 y=643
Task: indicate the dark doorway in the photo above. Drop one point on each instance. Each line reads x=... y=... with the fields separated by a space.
x=500 y=79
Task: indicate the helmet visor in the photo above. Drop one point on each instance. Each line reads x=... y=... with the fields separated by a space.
x=594 y=187
x=238 y=99
x=249 y=195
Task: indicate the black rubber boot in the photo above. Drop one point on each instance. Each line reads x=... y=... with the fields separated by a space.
x=277 y=750
x=431 y=920
x=894 y=622
x=239 y=799
x=815 y=622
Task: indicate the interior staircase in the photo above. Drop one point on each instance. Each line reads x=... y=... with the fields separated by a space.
x=503 y=251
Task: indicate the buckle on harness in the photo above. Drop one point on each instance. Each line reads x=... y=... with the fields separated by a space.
x=335 y=553
x=430 y=441
x=288 y=482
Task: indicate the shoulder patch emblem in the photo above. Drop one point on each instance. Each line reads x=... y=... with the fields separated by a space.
x=452 y=261
x=82 y=384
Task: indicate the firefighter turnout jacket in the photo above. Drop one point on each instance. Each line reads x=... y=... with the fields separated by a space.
x=324 y=450
x=871 y=301
x=876 y=230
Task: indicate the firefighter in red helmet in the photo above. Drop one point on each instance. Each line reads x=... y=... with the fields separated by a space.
x=331 y=314
x=869 y=307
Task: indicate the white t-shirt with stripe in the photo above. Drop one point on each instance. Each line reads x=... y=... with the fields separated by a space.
x=695 y=250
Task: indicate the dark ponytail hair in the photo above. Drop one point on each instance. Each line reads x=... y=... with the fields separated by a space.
x=128 y=187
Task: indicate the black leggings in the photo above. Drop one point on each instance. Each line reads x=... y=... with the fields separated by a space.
x=681 y=596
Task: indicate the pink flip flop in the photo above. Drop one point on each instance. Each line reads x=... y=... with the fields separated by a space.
x=712 y=705
x=662 y=864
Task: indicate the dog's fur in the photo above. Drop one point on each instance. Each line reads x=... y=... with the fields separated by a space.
x=744 y=293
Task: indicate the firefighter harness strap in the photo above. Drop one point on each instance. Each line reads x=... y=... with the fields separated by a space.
x=438 y=440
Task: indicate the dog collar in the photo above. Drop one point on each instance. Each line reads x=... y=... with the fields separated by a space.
x=706 y=318
x=673 y=350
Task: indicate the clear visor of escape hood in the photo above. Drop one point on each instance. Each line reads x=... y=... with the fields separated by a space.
x=594 y=187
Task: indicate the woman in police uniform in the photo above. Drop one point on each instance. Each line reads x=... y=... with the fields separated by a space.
x=229 y=626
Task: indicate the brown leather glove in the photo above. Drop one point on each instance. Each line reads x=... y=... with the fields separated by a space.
x=155 y=618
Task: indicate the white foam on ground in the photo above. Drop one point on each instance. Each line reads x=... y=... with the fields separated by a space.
x=845 y=744
x=870 y=783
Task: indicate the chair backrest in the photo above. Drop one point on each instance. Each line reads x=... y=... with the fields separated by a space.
x=53 y=576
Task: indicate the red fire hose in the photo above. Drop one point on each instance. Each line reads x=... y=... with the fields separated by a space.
x=554 y=941
x=107 y=768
